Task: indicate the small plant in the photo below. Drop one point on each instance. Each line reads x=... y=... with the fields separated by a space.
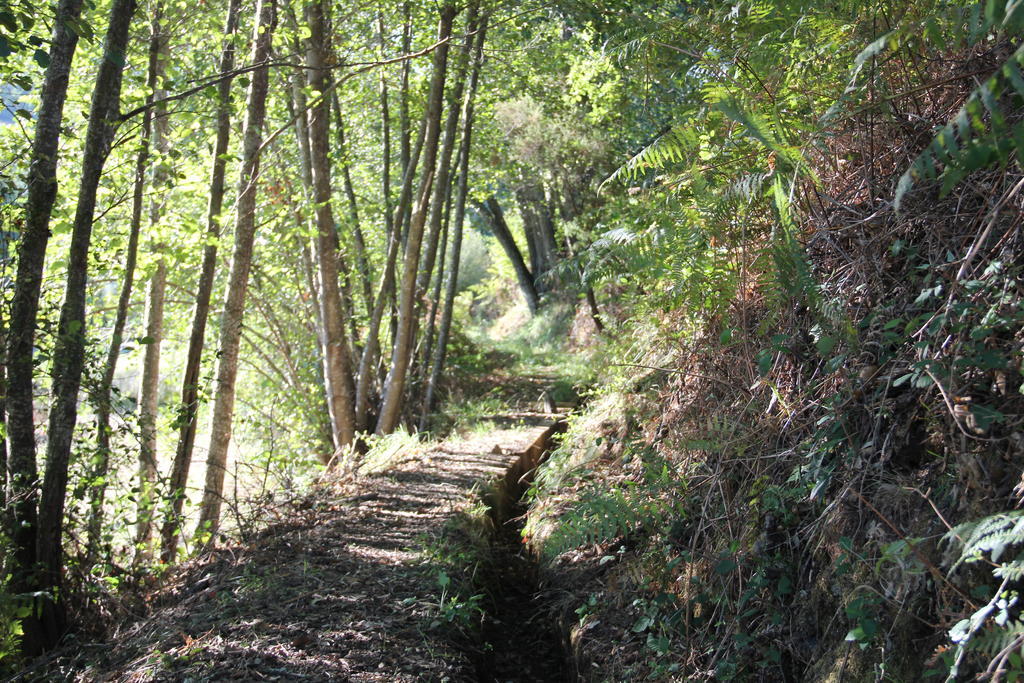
x=454 y=609
x=587 y=609
x=603 y=514
x=862 y=612
x=12 y=611
x=995 y=630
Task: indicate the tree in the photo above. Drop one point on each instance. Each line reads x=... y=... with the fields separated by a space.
x=69 y=352
x=42 y=192
x=101 y=469
x=188 y=406
x=452 y=272
x=241 y=263
x=337 y=359
x=149 y=391
x=391 y=403
x=490 y=210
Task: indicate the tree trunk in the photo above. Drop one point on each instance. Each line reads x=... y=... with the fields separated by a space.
x=150 y=389
x=440 y=205
x=423 y=366
x=238 y=280
x=42 y=191
x=358 y=240
x=404 y=130
x=452 y=272
x=336 y=358
x=3 y=417
x=443 y=182
x=69 y=352
x=189 y=406
x=391 y=404
x=385 y=293
x=539 y=229
x=385 y=115
x=491 y=211
x=97 y=491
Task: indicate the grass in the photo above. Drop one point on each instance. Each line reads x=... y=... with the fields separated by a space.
x=388 y=450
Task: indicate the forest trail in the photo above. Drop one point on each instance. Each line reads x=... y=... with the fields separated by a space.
x=339 y=588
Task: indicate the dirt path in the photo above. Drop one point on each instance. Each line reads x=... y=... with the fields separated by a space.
x=338 y=590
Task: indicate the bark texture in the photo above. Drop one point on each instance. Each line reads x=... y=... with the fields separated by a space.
x=97 y=492
x=394 y=389
x=189 y=405
x=452 y=272
x=336 y=355
x=491 y=212
x=150 y=389
x=69 y=351
x=238 y=279
x=42 y=192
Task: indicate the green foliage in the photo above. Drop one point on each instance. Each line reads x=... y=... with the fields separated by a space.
x=601 y=514
x=987 y=129
x=387 y=450
x=994 y=631
x=13 y=609
x=454 y=609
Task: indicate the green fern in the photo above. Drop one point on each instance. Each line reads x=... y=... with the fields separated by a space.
x=671 y=147
x=605 y=514
x=981 y=134
x=993 y=630
x=990 y=536
x=993 y=639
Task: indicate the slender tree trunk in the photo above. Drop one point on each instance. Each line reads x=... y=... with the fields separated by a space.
x=42 y=191
x=443 y=183
x=391 y=404
x=69 y=352
x=302 y=117
x=238 y=280
x=3 y=418
x=491 y=211
x=589 y=296
x=423 y=367
x=404 y=130
x=337 y=361
x=539 y=229
x=150 y=390
x=452 y=272
x=385 y=115
x=358 y=239
x=385 y=293
x=441 y=201
x=97 y=492
x=189 y=406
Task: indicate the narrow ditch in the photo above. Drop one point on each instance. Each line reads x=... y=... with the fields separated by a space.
x=519 y=638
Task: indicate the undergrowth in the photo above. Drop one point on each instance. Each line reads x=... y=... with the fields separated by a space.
x=822 y=377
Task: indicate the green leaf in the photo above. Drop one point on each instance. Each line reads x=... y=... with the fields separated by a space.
x=726 y=566
x=7 y=21
x=825 y=345
x=643 y=623
x=42 y=58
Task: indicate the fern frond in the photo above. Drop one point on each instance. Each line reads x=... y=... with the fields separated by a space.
x=990 y=536
x=986 y=130
x=670 y=147
x=993 y=639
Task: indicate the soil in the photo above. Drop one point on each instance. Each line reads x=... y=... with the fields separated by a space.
x=338 y=590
